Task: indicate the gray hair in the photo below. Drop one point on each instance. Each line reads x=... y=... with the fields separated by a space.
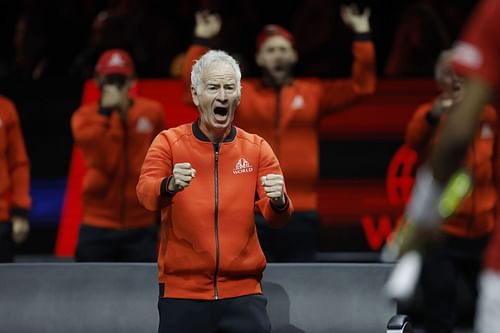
x=209 y=58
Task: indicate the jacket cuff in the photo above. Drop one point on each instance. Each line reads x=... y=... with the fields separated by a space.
x=18 y=211
x=164 y=192
x=282 y=209
x=201 y=41
x=361 y=37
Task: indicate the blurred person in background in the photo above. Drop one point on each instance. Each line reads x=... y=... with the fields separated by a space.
x=15 y=200
x=286 y=111
x=476 y=58
x=114 y=135
x=465 y=234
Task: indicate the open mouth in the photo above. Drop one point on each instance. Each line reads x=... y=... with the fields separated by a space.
x=220 y=112
x=279 y=68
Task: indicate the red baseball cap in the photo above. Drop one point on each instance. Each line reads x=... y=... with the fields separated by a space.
x=271 y=30
x=115 y=61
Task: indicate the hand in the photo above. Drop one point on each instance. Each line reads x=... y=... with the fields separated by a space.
x=359 y=23
x=20 y=229
x=181 y=177
x=273 y=186
x=207 y=25
x=110 y=96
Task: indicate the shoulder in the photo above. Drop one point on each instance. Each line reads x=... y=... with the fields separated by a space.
x=248 y=138
x=175 y=134
x=87 y=108
x=489 y=114
x=7 y=109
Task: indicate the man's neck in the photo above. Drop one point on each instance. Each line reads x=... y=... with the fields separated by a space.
x=216 y=136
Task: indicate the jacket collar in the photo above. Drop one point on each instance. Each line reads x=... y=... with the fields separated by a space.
x=200 y=136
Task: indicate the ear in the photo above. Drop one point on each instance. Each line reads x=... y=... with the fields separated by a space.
x=258 y=59
x=194 y=95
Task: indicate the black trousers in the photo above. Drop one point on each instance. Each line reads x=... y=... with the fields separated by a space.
x=109 y=245
x=7 y=246
x=444 y=264
x=246 y=314
x=296 y=242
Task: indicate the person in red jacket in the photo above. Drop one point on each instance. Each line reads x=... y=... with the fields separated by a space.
x=15 y=200
x=114 y=135
x=286 y=111
x=207 y=178
x=475 y=57
x=465 y=234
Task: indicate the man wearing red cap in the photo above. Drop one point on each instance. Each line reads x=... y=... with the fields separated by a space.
x=286 y=111
x=114 y=135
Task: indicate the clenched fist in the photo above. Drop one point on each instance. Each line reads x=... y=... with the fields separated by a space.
x=182 y=175
x=273 y=186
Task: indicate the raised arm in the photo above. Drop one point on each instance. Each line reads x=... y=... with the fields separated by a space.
x=340 y=93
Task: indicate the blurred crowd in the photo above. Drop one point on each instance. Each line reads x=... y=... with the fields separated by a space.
x=64 y=38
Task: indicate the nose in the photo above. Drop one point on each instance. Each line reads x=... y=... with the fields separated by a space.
x=221 y=95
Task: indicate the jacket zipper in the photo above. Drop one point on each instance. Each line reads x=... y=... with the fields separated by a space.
x=277 y=116
x=216 y=217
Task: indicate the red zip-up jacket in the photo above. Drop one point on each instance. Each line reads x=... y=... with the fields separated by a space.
x=476 y=215
x=209 y=247
x=14 y=165
x=113 y=152
x=288 y=118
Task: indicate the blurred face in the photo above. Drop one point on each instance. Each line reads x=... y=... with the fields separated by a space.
x=449 y=82
x=277 y=57
x=216 y=99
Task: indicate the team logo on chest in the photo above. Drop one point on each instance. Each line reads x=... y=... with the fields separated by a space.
x=242 y=166
x=144 y=125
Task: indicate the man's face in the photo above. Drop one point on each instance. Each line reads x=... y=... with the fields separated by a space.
x=449 y=82
x=217 y=97
x=277 y=56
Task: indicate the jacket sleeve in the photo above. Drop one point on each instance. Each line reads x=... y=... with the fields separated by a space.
x=194 y=53
x=337 y=94
x=268 y=163
x=99 y=137
x=156 y=169
x=419 y=131
x=18 y=164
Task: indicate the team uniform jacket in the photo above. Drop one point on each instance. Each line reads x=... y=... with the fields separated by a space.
x=209 y=246
x=287 y=118
x=113 y=151
x=476 y=215
x=14 y=165
x=480 y=59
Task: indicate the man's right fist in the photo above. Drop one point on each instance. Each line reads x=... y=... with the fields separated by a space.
x=207 y=25
x=182 y=175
